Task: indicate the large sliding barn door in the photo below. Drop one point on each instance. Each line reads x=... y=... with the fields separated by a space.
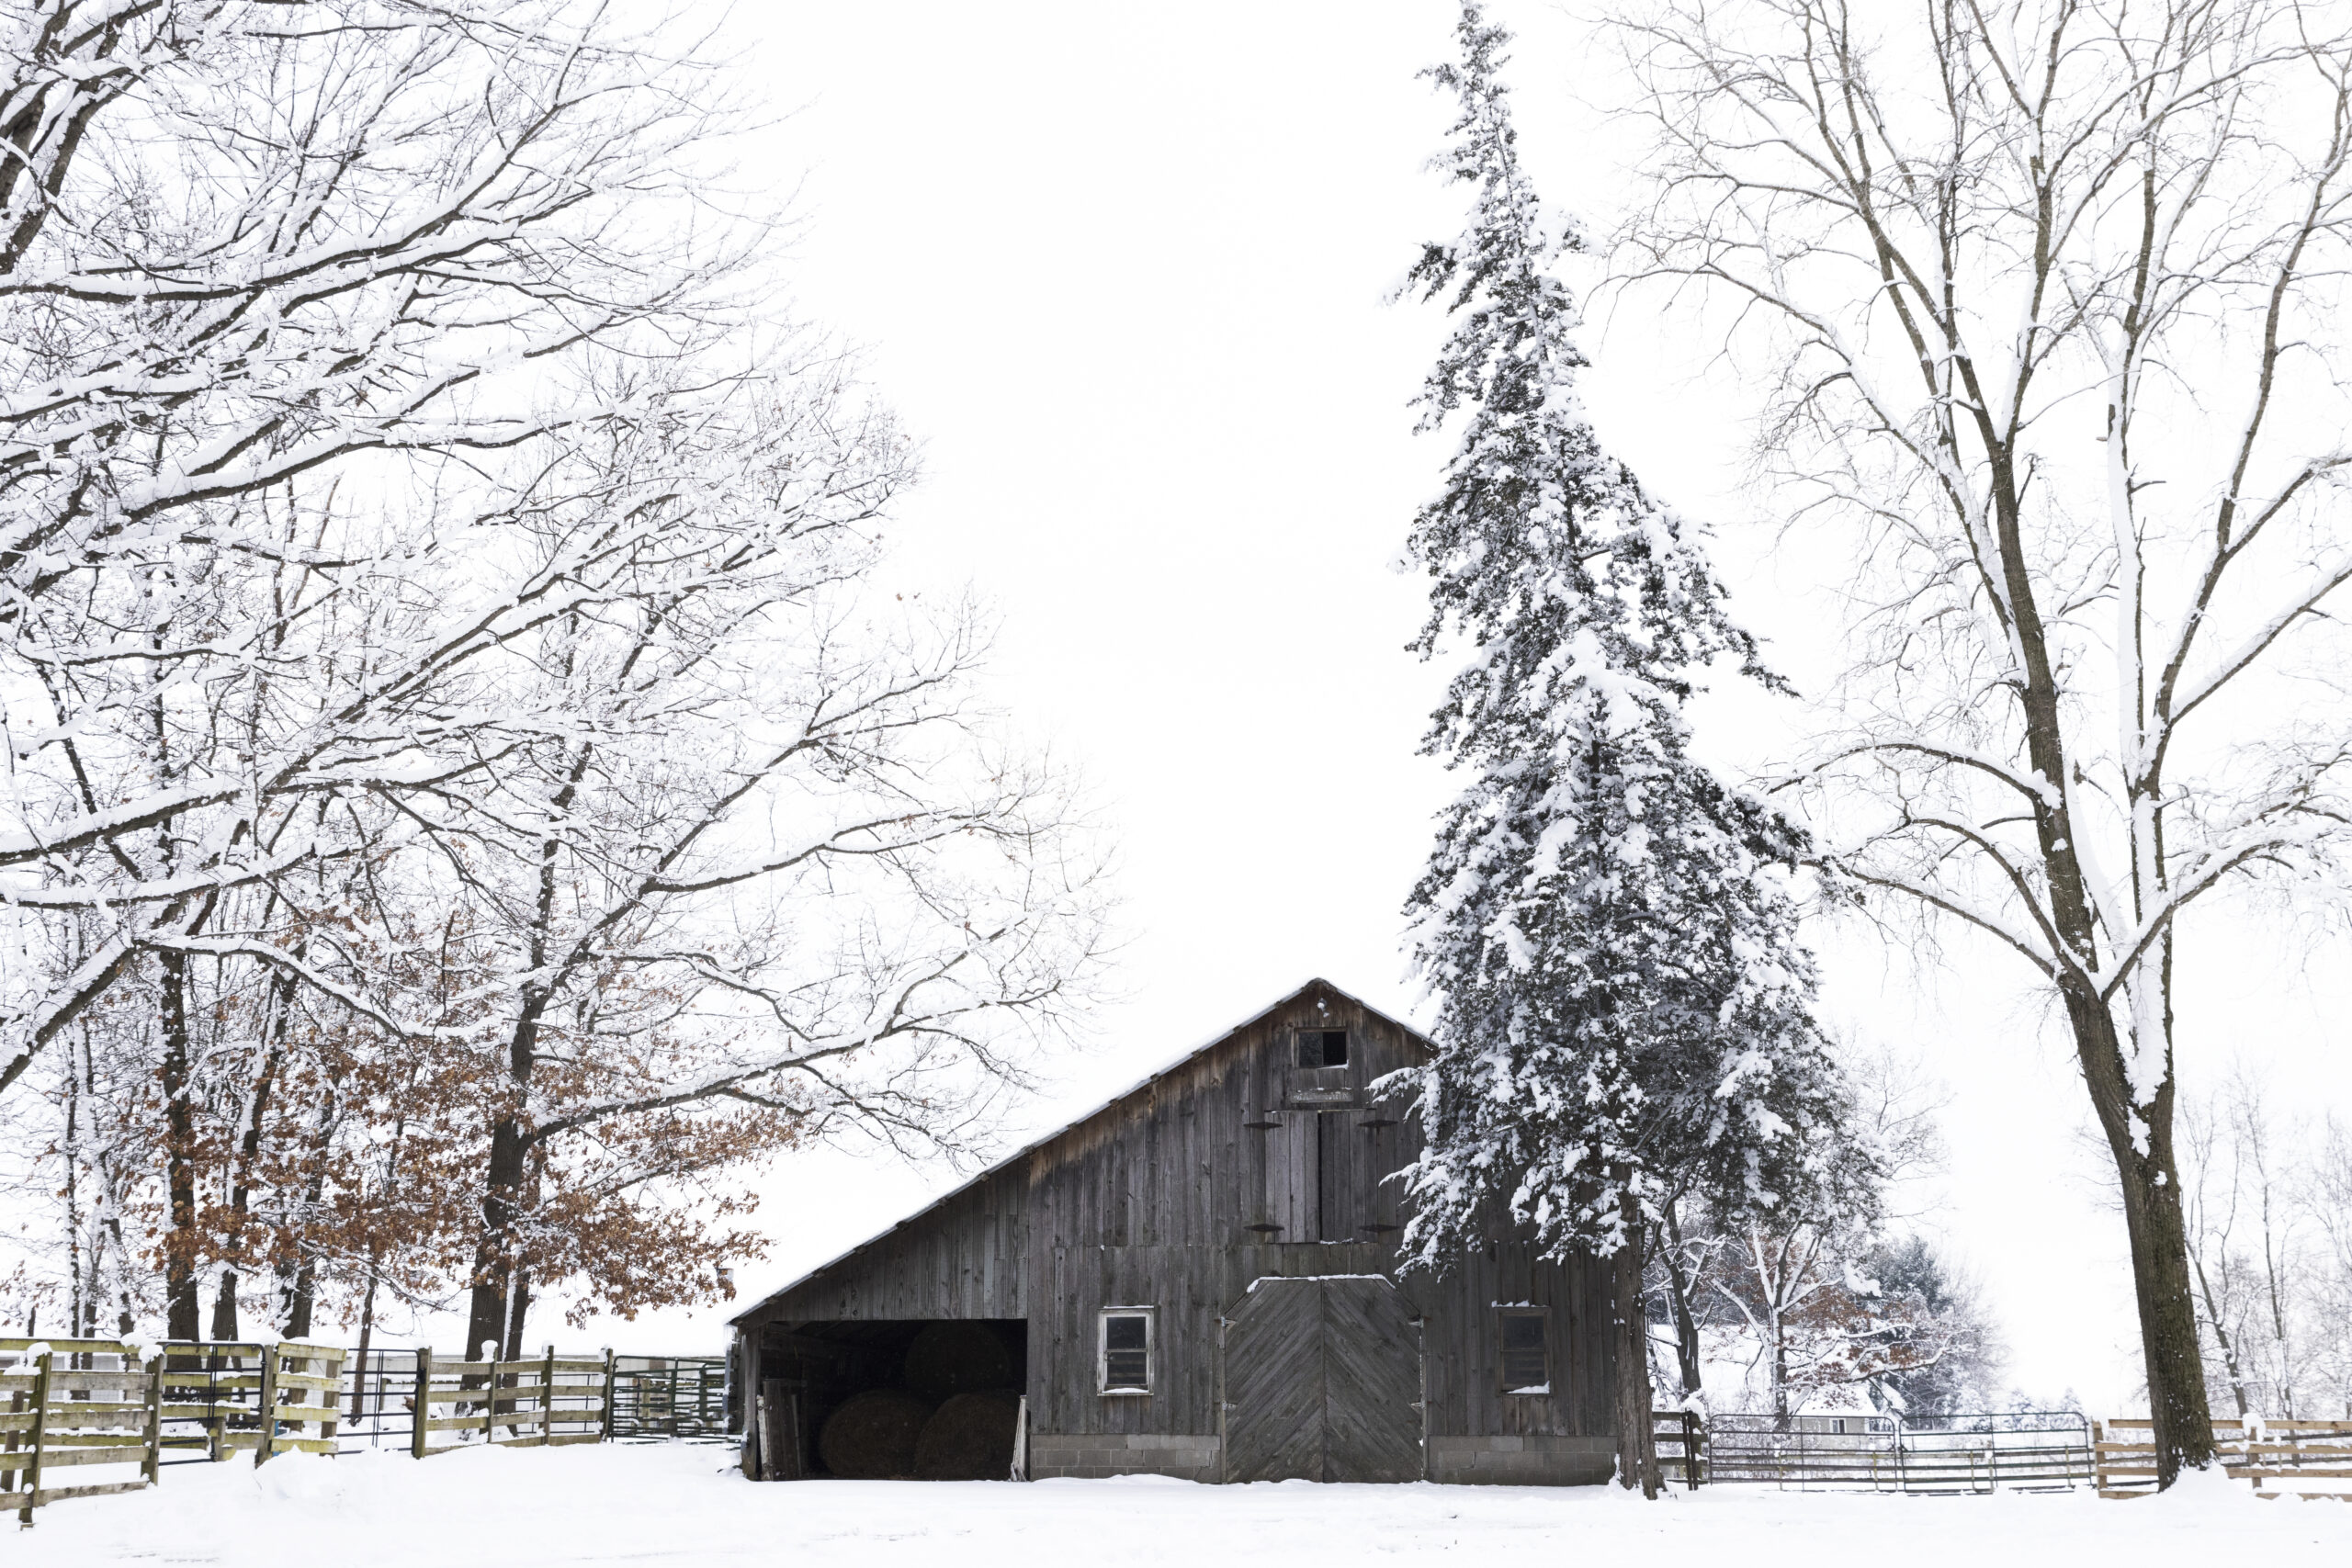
x=1322 y=1383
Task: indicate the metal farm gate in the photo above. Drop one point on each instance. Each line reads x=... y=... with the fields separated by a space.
x=2021 y=1450
x=670 y=1397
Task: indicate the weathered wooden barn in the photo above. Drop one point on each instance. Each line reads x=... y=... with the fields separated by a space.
x=1200 y=1279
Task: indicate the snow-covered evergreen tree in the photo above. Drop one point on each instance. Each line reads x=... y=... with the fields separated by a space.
x=1625 y=1008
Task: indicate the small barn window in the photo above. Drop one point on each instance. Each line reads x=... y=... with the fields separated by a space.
x=1125 y=1364
x=1322 y=1047
x=1526 y=1364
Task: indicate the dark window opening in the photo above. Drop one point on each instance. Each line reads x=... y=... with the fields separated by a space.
x=1525 y=1369
x=1322 y=1047
x=1126 y=1352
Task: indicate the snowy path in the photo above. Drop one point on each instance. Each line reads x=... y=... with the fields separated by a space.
x=656 y=1505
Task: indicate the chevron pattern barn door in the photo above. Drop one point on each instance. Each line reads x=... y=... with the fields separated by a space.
x=1322 y=1383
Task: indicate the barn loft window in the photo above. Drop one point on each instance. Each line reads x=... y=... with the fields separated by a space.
x=1124 y=1363
x=1322 y=1047
x=1526 y=1364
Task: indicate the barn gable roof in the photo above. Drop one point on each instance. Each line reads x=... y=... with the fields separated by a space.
x=1107 y=1107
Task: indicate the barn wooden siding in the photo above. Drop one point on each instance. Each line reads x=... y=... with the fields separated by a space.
x=1151 y=1204
x=1234 y=1165
x=963 y=1258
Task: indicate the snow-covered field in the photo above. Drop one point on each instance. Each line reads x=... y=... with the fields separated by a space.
x=658 y=1504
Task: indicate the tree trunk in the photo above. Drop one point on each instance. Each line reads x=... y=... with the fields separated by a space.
x=2158 y=1233
x=501 y=1194
x=180 y=1306
x=1779 y=1374
x=2150 y=1186
x=300 y=1298
x=224 y=1307
x=366 y=1336
x=502 y=1187
x=79 y=1290
x=519 y=1306
x=301 y=1291
x=2176 y=1367
x=1636 y=1449
x=255 y=1109
x=1686 y=1322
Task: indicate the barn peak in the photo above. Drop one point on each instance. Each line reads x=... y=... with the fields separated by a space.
x=1318 y=993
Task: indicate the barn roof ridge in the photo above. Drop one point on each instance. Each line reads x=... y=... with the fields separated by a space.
x=998 y=1166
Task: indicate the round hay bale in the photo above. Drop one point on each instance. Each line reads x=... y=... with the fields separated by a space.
x=872 y=1435
x=951 y=1358
x=969 y=1437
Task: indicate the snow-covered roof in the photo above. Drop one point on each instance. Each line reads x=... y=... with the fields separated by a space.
x=1171 y=1065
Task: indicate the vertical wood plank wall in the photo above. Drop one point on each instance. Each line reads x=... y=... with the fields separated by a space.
x=1152 y=1201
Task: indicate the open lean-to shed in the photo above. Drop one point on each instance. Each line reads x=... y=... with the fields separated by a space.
x=1199 y=1280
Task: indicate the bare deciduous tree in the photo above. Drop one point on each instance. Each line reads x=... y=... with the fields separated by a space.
x=266 y=266
x=2330 y=1204
x=2265 y=1232
x=763 y=856
x=2046 y=289
x=463 y=786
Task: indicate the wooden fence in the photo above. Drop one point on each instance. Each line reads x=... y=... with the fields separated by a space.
x=2309 y=1459
x=265 y=1399
x=1679 y=1437
x=73 y=1403
x=2034 y=1450
x=512 y=1403
x=68 y=1409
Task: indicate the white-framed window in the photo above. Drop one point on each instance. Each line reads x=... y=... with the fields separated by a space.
x=1125 y=1353
x=1523 y=1339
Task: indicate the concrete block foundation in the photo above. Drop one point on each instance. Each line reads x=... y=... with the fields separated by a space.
x=1522 y=1462
x=1130 y=1453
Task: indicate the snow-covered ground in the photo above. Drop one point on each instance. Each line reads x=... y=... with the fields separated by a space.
x=677 y=1504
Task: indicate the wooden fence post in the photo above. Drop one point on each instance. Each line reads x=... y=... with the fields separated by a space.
x=8 y=1450
x=547 y=1404
x=151 y=1469
x=605 y=1432
x=40 y=1436
x=489 y=1404
x=420 y=1433
x=330 y=1421
x=301 y=1366
x=268 y=1405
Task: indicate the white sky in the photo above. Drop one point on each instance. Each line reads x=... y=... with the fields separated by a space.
x=1123 y=270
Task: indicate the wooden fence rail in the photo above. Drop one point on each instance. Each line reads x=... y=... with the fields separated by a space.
x=73 y=1402
x=2278 y=1456
x=67 y=1409
x=1680 y=1438
x=263 y=1399
x=1991 y=1453
x=526 y=1401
